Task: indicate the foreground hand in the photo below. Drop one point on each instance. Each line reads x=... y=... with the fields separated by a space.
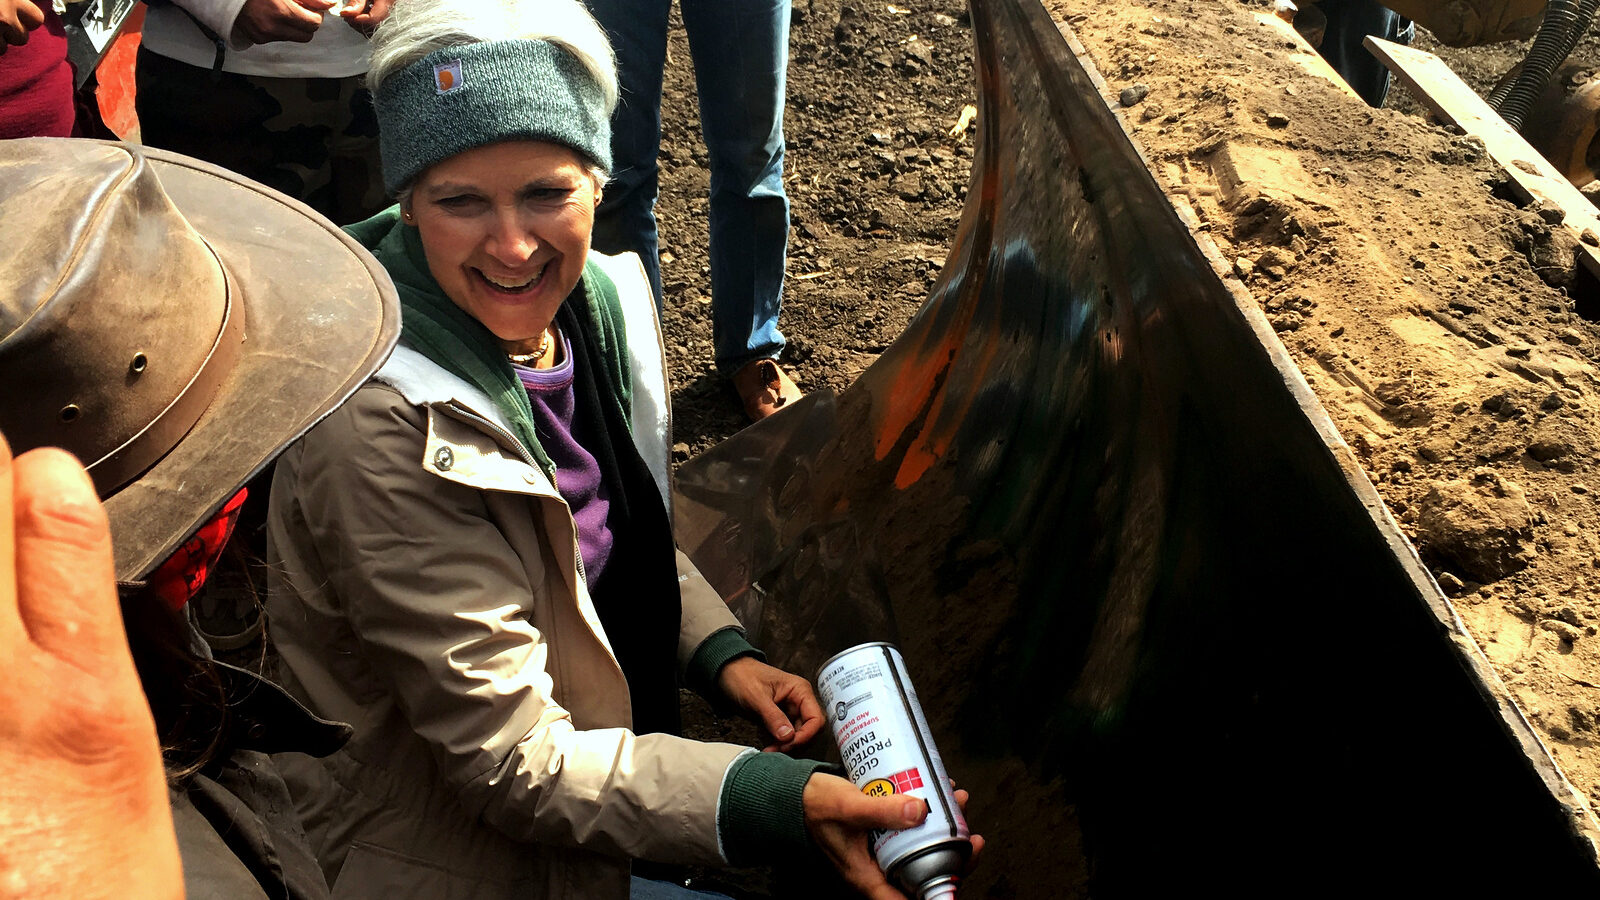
x=781 y=703
x=265 y=21
x=83 y=804
x=365 y=17
x=839 y=816
x=17 y=18
x=839 y=824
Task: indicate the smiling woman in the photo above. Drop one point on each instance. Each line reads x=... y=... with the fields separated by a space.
x=505 y=229
x=473 y=557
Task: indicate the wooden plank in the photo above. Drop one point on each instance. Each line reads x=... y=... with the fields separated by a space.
x=1304 y=55
x=1448 y=97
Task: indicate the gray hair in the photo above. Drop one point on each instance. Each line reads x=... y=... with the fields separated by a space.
x=416 y=28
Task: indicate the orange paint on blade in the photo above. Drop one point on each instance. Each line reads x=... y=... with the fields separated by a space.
x=917 y=390
x=915 y=465
x=906 y=404
x=940 y=430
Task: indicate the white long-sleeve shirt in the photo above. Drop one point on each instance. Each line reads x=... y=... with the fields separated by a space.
x=337 y=50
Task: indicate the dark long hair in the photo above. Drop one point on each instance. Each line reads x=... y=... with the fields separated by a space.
x=186 y=694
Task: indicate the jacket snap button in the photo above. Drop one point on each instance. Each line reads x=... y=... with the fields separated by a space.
x=530 y=478
x=443 y=458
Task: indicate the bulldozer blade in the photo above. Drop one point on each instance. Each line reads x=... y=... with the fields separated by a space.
x=1164 y=628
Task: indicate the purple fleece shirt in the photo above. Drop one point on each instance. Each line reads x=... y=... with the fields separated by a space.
x=577 y=473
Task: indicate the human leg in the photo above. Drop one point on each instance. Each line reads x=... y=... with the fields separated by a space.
x=740 y=50
x=356 y=192
x=1349 y=23
x=277 y=131
x=626 y=218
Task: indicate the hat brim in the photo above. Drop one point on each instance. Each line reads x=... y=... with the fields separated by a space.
x=321 y=315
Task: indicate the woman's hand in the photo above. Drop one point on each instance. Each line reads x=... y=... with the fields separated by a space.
x=84 y=809
x=839 y=817
x=782 y=703
x=265 y=21
x=366 y=17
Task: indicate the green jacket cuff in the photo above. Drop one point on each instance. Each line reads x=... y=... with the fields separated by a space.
x=760 y=816
x=716 y=651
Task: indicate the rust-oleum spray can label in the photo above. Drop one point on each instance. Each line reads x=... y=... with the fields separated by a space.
x=887 y=749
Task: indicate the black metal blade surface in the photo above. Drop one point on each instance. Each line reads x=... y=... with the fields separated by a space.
x=1162 y=625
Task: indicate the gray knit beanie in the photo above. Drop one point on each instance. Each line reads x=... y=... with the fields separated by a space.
x=458 y=98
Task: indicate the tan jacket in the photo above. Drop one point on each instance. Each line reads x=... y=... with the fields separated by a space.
x=429 y=594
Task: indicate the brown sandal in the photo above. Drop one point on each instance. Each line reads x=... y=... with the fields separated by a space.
x=764 y=388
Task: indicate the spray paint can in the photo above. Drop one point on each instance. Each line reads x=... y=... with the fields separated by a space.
x=884 y=741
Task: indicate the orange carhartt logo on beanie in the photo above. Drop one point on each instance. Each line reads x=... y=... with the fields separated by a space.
x=447 y=76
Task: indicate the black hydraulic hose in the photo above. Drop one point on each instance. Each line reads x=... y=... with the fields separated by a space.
x=1565 y=21
x=1561 y=20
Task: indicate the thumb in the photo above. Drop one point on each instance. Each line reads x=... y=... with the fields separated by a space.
x=308 y=11
x=893 y=813
x=829 y=799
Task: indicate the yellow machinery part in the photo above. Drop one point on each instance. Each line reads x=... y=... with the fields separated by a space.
x=1468 y=23
x=1565 y=124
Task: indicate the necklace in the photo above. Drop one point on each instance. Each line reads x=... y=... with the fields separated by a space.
x=528 y=359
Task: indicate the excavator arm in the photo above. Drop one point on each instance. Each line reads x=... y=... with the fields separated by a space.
x=1469 y=23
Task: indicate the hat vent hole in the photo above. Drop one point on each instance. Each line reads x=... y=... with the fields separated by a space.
x=70 y=413
x=139 y=362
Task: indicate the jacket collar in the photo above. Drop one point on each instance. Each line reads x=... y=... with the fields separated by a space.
x=424 y=382
x=453 y=450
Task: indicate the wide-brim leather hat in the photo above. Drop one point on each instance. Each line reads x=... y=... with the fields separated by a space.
x=174 y=325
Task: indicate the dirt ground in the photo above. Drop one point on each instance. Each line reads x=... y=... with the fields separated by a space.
x=1437 y=320
x=875 y=180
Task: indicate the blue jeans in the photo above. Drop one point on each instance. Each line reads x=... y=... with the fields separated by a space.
x=1349 y=23
x=741 y=51
x=642 y=889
